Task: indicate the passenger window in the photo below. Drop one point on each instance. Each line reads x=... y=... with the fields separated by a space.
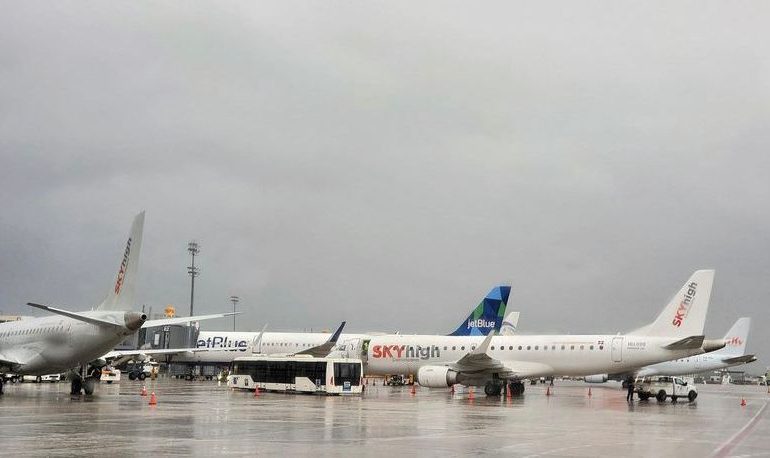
x=474 y=347
x=519 y=347
x=591 y=347
x=510 y=348
x=462 y=348
x=553 y=347
x=529 y=347
x=545 y=347
x=536 y=347
x=571 y=347
x=454 y=348
x=582 y=347
x=445 y=347
x=493 y=347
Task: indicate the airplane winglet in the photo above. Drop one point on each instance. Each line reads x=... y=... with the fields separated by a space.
x=258 y=339
x=323 y=350
x=336 y=335
x=484 y=345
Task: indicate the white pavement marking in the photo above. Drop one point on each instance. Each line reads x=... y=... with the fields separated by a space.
x=736 y=438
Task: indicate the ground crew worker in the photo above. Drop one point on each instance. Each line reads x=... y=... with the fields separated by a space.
x=630 y=395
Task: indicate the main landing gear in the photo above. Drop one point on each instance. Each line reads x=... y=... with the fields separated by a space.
x=82 y=381
x=495 y=388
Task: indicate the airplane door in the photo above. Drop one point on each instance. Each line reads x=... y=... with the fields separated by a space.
x=617 y=349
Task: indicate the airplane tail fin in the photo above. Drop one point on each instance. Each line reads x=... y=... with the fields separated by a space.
x=510 y=324
x=736 y=337
x=685 y=314
x=487 y=316
x=121 y=295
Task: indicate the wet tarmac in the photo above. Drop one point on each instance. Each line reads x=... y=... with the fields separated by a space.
x=205 y=419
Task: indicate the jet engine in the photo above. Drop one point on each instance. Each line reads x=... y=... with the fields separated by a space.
x=598 y=378
x=436 y=376
x=134 y=320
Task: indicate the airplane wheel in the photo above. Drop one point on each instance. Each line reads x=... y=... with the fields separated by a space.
x=692 y=395
x=492 y=389
x=76 y=385
x=661 y=396
x=89 y=385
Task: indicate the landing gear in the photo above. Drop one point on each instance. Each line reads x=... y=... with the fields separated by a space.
x=76 y=385
x=88 y=385
x=493 y=388
x=517 y=388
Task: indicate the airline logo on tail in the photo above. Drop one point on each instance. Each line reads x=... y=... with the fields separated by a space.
x=123 y=267
x=684 y=306
x=487 y=315
x=734 y=342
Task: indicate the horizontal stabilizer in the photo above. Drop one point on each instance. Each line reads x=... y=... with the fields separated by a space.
x=323 y=350
x=77 y=316
x=745 y=359
x=186 y=319
x=688 y=343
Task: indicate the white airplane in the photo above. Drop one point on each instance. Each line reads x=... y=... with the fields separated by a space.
x=442 y=361
x=733 y=354
x=55 y=344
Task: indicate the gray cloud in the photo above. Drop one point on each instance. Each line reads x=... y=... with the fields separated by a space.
x=388 y=163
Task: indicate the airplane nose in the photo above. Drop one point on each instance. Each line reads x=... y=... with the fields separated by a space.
x=134 y=320
x=713 y=345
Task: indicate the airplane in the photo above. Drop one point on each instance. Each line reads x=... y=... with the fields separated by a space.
x=222 y=347
x=442 y=361
x=733 y=354
x=70 y=340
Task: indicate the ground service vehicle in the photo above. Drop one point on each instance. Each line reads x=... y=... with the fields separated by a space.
x=110 y=374
x=663 y=387
x=298 y=373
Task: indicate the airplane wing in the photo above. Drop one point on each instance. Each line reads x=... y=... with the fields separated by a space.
x=77 y=316
x=479 y=362
x=160 y=351
x=185 y=319
x=688 y=343
x=744 y=359
x=7 y=363
x=323 y=350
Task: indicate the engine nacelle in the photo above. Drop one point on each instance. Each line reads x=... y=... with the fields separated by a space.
x=598 y=378
x=436 y=376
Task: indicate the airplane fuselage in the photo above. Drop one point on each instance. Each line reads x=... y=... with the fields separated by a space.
x=557 y=354
x=39 y=346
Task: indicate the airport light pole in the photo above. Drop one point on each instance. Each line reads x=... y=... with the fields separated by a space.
x=234 y=300
x=194 y=249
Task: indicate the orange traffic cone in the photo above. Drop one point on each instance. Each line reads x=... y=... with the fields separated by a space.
x=470 y=392
x=508 y=391
x=452 y=389
x=153 y=399
x=414 y=389
x=589 y=391
x=144 y=391
x=256 y=391
x=743 y=402
x=548 y=391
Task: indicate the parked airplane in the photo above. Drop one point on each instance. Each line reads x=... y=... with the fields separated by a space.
x=441 y=361
x=226 y=346
x=733 y=354
x=39 y=346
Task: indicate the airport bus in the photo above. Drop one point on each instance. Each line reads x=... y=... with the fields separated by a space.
x=297 y=373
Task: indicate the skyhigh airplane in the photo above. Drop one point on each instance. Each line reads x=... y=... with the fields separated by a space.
x=485 y=317
x=733 y=354
x=442 y=361
x=39 y=346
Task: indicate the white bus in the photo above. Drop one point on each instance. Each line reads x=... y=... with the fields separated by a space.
x=298 y=373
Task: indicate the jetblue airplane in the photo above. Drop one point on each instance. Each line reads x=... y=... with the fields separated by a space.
x=442 y=361
x=220 y=347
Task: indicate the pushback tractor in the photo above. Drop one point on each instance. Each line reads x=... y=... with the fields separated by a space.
x=297 y=374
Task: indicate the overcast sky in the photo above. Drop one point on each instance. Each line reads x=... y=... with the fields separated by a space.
x=388 y=163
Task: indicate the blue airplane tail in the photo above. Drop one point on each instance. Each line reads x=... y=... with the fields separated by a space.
x=487 y=316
